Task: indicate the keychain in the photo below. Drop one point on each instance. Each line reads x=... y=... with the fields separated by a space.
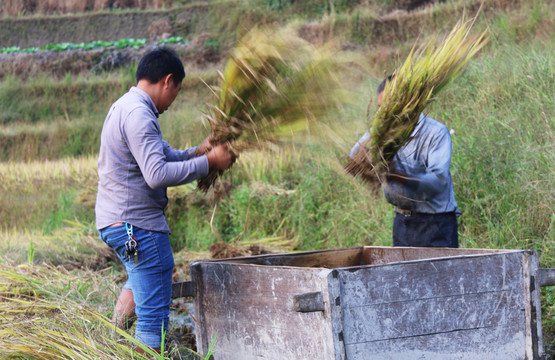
x=131 y=244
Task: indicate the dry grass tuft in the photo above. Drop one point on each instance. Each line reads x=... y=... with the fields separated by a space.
x=45 y=315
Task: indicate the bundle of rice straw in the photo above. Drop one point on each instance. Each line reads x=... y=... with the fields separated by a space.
x=424 y=73
x=272 y=84
x=45 y=315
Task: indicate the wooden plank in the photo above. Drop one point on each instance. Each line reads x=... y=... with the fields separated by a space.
x=532 y=307
x=376 y=255
x=430 y=279
x=547 y=277
x=440 y=346
x=249 y=311
x=330 y=259
x=406 y=319
x=202 y=338
x=336 y=317
x=182 y=289
x=245 y=280
x=418 y=299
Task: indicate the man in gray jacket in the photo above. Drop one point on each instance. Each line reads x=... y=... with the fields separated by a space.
x=419 y=185
x=135 y=166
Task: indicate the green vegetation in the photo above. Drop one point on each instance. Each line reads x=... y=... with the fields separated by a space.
x=119 y=44
x=296 y=196
x=504 y=137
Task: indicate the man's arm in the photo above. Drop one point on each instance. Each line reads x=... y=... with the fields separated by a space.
x=358 y=146
x=178 y=155
x=181 y=155
x=438 y=162
x=149 y=150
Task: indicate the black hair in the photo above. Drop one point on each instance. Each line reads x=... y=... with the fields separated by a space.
x=158 y=63
x=385 y=81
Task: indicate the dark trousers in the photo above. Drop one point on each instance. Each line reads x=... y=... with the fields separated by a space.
x=428 y=230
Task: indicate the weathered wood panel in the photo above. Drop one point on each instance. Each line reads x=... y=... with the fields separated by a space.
x=329 y=259
x=386 y=254
x=182 y=289
x=430 y=279
x=398 y=320
x=432 y=347
x=532 y=308
x=249 y=310
x=547 y=277
x=336 y=313
x=388 y=310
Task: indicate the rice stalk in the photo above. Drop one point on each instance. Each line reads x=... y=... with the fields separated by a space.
x=426 y=70
x=72 y=246
x=280 y=242
x=273 y=84
x=41 y=319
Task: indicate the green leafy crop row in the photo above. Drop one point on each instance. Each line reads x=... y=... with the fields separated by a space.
x=119 y=44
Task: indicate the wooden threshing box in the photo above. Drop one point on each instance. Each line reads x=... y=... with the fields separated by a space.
x=371 y=303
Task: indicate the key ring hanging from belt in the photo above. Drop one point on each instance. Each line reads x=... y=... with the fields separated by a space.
x=132 y=242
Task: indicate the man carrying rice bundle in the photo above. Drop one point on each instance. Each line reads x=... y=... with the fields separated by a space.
x=419 y=185
x=408 y=153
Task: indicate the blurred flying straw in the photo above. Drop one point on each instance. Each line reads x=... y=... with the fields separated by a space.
x=427 y=69
x=274 y=84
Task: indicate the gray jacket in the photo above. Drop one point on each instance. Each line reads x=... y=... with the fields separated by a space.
x=426 y=159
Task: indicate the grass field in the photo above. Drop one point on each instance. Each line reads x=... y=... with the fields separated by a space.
x=297 y=197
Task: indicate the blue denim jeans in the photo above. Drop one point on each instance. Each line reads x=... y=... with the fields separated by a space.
x=150 y=279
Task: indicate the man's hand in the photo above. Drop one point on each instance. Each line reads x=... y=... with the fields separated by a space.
x=361 y=151
x=205 y=147
x=220 y=157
